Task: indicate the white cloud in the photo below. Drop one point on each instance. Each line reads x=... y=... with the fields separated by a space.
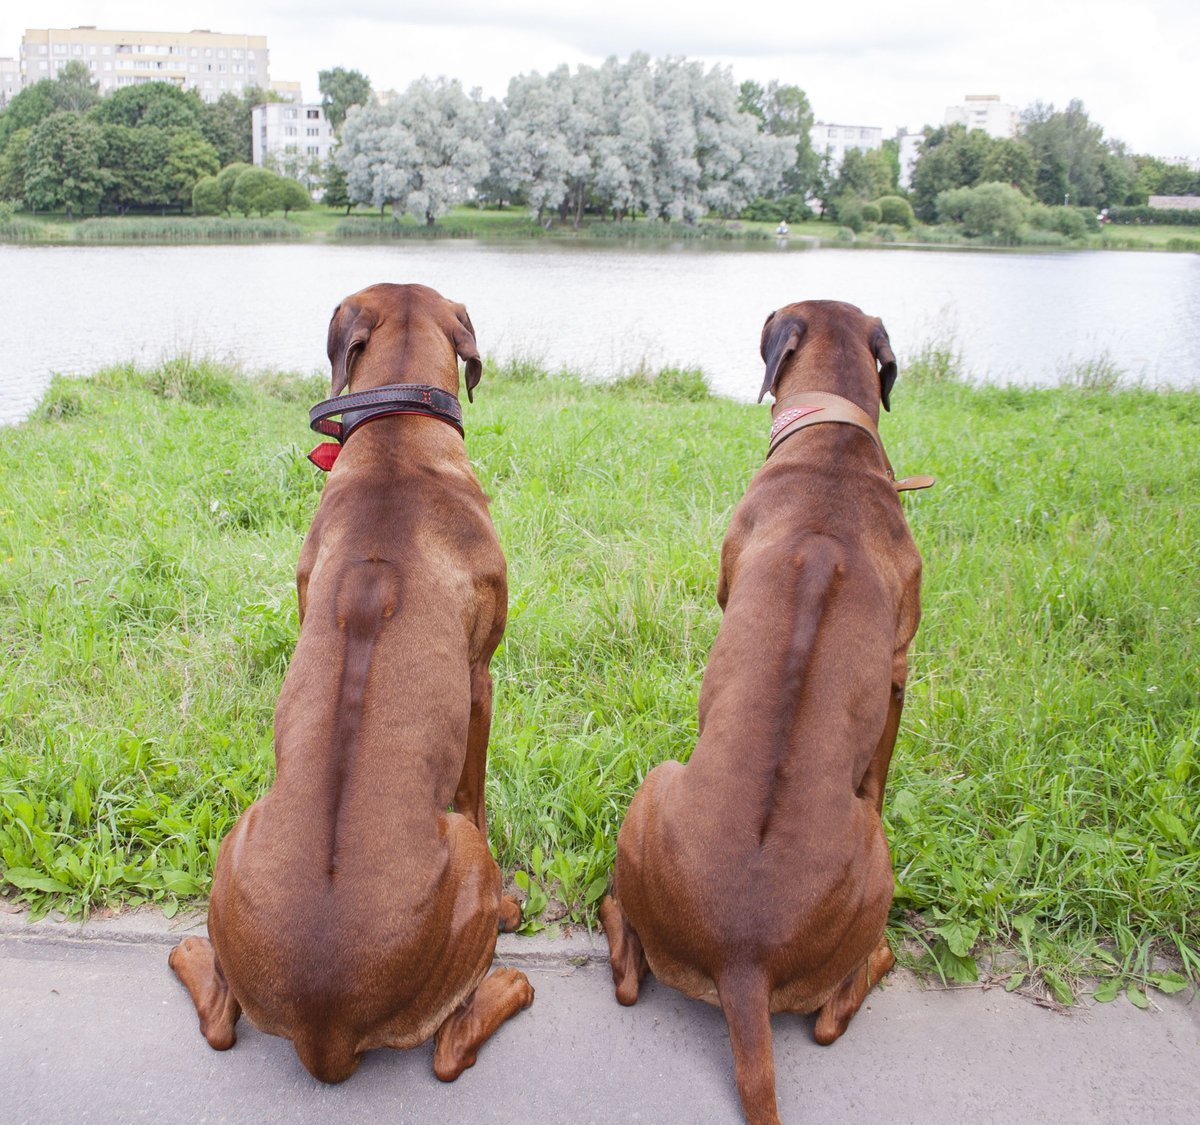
x=873 y=62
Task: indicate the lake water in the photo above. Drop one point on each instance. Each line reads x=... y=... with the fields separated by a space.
x=602 y=310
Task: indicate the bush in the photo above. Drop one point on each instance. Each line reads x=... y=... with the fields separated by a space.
x=1154 y=216
x=993 y=210
x=871 y=212
x=845 y=234
x=787 y=208
x=258 y=189
x=207 y=197
x=849 y=212
x=1070 y=222
x=895 y=210
x=885 y=232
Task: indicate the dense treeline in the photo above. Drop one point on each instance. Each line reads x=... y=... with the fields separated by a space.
x=64 y=147
x=664 y=138
x=661 y=138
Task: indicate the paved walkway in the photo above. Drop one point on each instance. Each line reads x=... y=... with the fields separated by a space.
x=94 y=1028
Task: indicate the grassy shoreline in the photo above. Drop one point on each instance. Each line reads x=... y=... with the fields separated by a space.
x=1043 y=793
x=323 y=224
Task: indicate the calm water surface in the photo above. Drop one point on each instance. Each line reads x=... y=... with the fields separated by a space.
x=1025 y=318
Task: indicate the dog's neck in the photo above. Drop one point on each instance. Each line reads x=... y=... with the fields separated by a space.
x=801 y=409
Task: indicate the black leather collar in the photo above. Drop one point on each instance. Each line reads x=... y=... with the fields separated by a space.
x=360 y=407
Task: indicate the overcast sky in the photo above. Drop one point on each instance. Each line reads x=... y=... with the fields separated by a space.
x=890 y=63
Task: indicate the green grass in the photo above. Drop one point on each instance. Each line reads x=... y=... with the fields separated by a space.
x=1042 y=802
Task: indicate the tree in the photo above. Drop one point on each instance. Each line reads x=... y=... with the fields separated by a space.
x=226 y=178
x=422 y=152
x=1068 y=152
x=336 y=193
x=151 y=103
x=864 y=173
x=228 y=123
x=293 y=196
x=75 y=90
x=340 y=89
x=12 y=166
x=207 y=197
x=950 y=157
x=530 y=154
x=1009 y=161
x=784 y=111
x=189 y=159
x=62 y=167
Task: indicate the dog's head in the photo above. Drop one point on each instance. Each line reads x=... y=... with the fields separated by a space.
x=835 y=337
x=410 y=327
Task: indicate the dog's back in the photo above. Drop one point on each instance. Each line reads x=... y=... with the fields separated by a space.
x=758 y=875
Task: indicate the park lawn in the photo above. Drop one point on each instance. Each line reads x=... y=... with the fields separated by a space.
x=1043 y=795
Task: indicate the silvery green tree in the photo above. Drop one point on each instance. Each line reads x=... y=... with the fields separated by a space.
x=580 y=99
x=623 y=178
x=375 y=153
x=737 y=162
x=532 y=155
x=708 y=153
x=422 y=151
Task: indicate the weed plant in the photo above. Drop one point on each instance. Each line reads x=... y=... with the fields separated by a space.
x=150 y=229
x=1042 y=802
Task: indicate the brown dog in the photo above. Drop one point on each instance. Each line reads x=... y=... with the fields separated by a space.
x=757 y=876
x=349 y=910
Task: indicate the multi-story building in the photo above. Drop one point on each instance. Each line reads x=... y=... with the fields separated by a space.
x=837 y=140
x=986 y=112
x=10 y=80
x=293 y=139
x=209 y=62
x=909 y=146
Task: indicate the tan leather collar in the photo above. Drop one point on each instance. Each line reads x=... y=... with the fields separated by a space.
x=811 y=408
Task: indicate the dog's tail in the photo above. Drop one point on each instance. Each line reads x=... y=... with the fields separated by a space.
x=745 y=995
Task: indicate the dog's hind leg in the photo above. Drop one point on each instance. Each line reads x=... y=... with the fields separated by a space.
x=839 y=1009
x=499 y=997
x=874 y=781
x=195 y=963
x=625 y=952
x=745 y=996
x=468 y=797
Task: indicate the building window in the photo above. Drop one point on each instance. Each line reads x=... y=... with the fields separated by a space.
x=312 y=150
x=312 y=114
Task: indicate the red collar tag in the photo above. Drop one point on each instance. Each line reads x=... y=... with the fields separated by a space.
x=324 y=455
x=792 y=415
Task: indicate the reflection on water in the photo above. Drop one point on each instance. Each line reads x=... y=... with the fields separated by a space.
x=601 y=310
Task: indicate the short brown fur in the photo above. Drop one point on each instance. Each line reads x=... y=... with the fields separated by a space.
x=758 y=875
x=349 y=910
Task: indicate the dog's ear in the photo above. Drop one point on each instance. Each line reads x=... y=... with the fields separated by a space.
x=781 y=336
x=468 y=350
x=349 y=329
x=884 y=356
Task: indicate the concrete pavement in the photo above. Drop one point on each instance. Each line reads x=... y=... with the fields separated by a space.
x=94 y=1028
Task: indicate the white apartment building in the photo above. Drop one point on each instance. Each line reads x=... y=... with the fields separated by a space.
x=909 y=146
x=293 y=139
x=208 y=62
x=837 y=140
x=10 y=80
x=986 y=112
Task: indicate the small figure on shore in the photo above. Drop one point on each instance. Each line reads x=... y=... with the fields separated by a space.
x=782 y=229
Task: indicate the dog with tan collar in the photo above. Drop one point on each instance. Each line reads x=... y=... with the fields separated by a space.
x=757 y=877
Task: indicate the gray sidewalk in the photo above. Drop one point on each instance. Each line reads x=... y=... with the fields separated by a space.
x=94 y=1028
